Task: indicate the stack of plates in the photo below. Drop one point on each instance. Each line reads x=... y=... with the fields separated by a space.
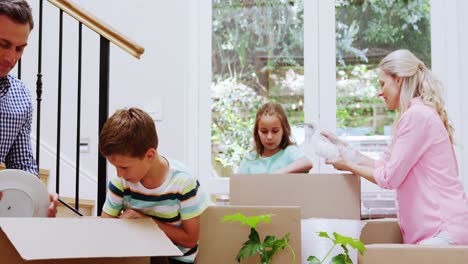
x=24 y=195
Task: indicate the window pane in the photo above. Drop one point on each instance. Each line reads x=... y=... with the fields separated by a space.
x=366 y=31
x=257 y=57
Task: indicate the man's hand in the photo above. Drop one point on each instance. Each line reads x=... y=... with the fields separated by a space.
x=52 y=210
x=132 y=214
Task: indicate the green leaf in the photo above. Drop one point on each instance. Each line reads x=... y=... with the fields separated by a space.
x=313 y=260
x=353 y=242
x=251 y=221
x=324 y=234
x=254 y=237
x=266 y=250
x=275 y=245
x=341 y=259
x=249 y=248
x=269 y=240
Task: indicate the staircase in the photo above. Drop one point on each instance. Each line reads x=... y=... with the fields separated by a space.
x=70 y=12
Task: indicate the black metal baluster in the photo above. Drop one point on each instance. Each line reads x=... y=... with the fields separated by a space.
x=59 y=114
x=78 y=119
x=19 y=69
x=39 y=86
x=59 y=104
x=104 y=65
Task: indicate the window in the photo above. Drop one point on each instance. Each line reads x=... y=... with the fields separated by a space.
x=366 y=31
x=257 y=56
x=342 y=41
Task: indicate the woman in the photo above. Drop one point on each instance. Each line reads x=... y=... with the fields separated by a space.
x=420 y=163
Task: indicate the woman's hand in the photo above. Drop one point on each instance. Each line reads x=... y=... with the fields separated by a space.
x=334 y=139
x=340 y=163
x=132 y=214
x=344 y=164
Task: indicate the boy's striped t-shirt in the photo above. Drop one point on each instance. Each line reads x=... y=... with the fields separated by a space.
x=178 y=198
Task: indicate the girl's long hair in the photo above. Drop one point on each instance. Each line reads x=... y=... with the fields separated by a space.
x=272 y=109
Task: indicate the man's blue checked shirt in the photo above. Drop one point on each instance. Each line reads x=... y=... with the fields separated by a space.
x=15 y=125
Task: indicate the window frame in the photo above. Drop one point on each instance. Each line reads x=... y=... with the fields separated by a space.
x=319 y=71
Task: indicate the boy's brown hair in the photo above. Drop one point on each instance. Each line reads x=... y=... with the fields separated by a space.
x=129 y=132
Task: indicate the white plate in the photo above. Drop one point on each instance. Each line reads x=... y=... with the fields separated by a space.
x=24 y=195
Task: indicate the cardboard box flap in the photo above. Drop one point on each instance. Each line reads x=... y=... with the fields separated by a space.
x=398 y=253
x=67 y=238
x=318 y=195
x=381 y=231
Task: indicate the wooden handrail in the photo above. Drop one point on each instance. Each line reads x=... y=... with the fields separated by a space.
x=99 y=27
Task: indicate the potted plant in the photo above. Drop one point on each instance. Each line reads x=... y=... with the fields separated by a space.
x=343 y=242
x=266 y=249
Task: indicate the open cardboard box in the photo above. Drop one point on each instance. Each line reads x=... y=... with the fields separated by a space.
x=220 y=242
x=82 y=240
x=338 y=196
x=318 y=195
x=384 y=246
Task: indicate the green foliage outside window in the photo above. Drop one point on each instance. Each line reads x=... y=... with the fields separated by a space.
x=358 y=104
x=369 y=29
x=255 y=40
x=233 y=113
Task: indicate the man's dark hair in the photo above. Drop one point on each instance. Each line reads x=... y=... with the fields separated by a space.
x=17 y=10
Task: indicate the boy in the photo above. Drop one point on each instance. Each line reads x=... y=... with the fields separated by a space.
x=148 y=184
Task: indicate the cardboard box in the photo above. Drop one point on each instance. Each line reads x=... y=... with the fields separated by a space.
x=383 y=242
x=381 y=231
x=318 y=195
x=338 y=196
x=82 y=240
x=220 y=242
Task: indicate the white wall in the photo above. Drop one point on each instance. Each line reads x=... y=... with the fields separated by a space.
x=157 y=82
x=449 y=57
x=462 y=100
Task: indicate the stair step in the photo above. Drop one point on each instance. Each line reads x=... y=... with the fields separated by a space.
x=86 y=207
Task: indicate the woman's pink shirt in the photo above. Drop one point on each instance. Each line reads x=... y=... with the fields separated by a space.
x=421 y=166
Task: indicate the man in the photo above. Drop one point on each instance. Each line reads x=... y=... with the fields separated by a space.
x=16 y=111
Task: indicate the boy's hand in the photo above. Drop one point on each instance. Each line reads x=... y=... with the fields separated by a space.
x=132 y=214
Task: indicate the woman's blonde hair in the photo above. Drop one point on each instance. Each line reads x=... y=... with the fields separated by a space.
x=418 y=81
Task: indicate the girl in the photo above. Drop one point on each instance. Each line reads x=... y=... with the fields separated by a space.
x=420 y=163
x=274 y=151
